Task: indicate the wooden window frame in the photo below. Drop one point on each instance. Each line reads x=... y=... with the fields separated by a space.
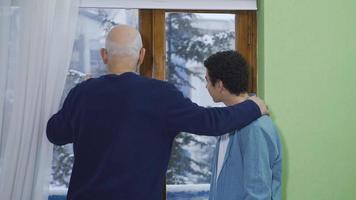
x=152 y=29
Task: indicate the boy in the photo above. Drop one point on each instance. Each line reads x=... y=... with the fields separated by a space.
x=247 y=162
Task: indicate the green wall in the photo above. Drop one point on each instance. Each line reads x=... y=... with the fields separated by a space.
x=307 y=75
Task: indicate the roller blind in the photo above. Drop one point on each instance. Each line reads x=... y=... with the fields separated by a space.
x=174 y=4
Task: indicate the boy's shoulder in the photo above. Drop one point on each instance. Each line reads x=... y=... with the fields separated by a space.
x=263 y=125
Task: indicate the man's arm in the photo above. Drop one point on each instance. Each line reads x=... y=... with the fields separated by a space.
x=256 y=164
x=184 y=115
x=59 y=130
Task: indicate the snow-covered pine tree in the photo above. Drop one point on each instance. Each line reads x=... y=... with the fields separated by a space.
x=186 y=43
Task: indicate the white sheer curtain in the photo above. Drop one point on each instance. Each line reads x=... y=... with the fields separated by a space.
x=36 y=40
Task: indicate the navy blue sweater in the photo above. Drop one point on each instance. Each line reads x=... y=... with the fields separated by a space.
x=122 y=128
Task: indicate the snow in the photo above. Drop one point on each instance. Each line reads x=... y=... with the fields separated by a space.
x=76 y=72
x=188 y=188
x=215 y=16
x=58 y=190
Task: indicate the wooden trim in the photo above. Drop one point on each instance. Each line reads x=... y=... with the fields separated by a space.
x=152 y=29
x=159 y=45
x=246 y=43
x=145 y=28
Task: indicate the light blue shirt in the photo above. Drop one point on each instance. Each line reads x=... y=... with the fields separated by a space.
x=252 y=168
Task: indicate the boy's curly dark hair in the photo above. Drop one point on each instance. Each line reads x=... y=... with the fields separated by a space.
x=231 y=68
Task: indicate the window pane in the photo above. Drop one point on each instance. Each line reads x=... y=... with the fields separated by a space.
x=93 y=25
x=191 y=38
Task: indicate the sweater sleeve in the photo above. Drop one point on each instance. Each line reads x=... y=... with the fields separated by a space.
x=59 y=130
x=184 y=115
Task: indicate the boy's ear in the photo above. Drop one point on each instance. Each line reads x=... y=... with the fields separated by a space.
x=220 y=85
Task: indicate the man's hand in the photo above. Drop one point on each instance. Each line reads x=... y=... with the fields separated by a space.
x=261 y=104
x=87 y=76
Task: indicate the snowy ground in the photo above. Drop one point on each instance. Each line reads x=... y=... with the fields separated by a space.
x=188 y=192
x=174 y=192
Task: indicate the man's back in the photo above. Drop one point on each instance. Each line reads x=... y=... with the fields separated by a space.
x=110 y=160
x=253 y=164
x=122 y=128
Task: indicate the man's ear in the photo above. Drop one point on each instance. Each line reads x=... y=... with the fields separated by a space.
x=141 y=56
x=104 y=55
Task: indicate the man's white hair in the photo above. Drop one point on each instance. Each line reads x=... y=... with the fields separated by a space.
x=129 y=49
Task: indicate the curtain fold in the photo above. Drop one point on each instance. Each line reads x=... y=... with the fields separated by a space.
x=5 y=8
x=39 y=37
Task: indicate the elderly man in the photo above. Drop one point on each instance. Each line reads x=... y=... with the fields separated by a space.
x=122 y=125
